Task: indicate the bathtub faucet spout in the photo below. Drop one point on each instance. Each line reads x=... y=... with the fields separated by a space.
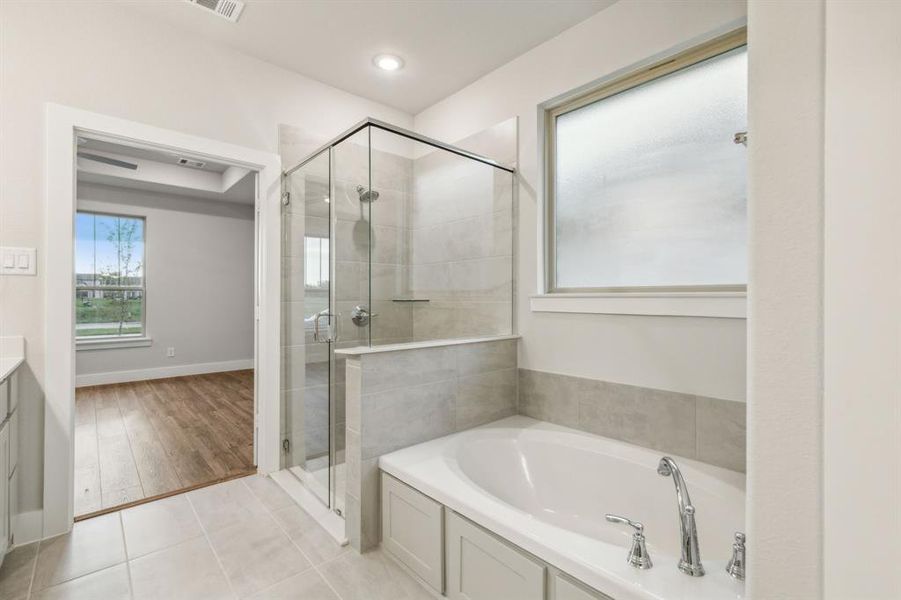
x=690 y=562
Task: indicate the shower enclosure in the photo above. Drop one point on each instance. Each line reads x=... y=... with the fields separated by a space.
x=389 y=237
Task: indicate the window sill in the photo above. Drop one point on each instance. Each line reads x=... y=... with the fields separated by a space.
x=722 y=305
x=106 y=343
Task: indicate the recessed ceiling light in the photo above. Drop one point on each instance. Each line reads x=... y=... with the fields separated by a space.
x=388 y=62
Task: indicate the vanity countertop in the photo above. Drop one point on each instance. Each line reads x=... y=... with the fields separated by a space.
x=12 y=354
x=8 y=365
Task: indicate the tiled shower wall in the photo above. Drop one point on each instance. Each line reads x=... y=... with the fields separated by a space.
x=461 y=231
x=371 y=242
x=382 y=226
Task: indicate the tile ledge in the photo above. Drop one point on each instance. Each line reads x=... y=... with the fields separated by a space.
x=359 y=350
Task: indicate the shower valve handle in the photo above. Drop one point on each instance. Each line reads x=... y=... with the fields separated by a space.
x=360 y=316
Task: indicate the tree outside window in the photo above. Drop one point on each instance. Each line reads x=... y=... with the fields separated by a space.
x=109 y=275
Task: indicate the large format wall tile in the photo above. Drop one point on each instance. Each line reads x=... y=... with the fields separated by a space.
x=405 y=416
x=722 y=432
x=388 y=370
x=400 y=398
x=484 y=398
x=707 y=429
x=651 y=418
x=461 y=226
x=550 y=397
x=481 y=358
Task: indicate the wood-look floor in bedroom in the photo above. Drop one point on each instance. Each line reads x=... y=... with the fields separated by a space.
x=146 y=439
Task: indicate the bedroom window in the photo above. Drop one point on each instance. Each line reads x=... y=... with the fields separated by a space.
x=110 y=287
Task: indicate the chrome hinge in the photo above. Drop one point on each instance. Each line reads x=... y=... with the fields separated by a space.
x=286 y=445
x=286 y=198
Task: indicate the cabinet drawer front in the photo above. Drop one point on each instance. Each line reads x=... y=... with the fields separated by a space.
x=4 y=490
x=482 y=567
x=12 y=385
x=13 y=508
x=565 y=589
x=4 y=399
x=13 y=443
x=412 y=530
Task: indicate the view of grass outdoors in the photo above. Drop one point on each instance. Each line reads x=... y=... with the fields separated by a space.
x=109 y=275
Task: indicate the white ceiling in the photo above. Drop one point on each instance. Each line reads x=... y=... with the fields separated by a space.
x=158 y=171
x=147 y=153
x=447 y=44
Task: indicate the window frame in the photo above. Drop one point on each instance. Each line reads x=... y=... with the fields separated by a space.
x=635 y=78
x=327 y=286
x=110 y=340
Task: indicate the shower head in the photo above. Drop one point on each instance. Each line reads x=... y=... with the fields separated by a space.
x=367 y=195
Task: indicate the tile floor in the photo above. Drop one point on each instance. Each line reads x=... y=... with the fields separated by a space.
x=244 y=538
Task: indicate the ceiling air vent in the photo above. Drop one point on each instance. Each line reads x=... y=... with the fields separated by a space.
x=227 y=9
x=188 y=162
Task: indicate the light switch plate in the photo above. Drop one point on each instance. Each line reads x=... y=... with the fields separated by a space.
x=18 y=261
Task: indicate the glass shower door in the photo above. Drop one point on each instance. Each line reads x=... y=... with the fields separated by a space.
x=309 y=327
x=328 y=240
x=351 y=242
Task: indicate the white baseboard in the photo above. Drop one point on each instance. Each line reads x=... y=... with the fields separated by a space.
x=161 y=372
x=28 y=527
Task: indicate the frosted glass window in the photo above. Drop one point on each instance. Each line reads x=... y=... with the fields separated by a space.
x=649 y=185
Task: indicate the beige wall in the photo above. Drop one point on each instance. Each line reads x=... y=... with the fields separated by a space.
x=690 y=355
x=824 y=446
x=785 y=309
x=103 y=57
x=862 y=302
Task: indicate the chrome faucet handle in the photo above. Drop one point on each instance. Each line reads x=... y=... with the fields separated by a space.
x=690 y=562
x=736 y=566
x=638 y=553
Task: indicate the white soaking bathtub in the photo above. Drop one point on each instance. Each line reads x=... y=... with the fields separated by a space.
x=546 y=489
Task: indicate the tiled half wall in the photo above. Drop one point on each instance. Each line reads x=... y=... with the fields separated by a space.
x=400 y=398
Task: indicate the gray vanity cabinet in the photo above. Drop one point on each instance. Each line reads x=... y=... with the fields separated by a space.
x=9 y=447
x=412 y=524
x=4 y=490
x=460 y=559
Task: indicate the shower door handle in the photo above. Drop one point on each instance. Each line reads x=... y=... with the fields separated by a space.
x=332 y=329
